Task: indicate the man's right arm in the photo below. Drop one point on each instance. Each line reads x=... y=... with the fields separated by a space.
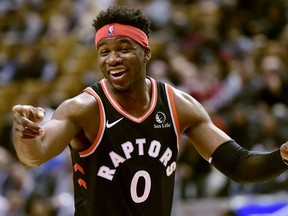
x=36 y=144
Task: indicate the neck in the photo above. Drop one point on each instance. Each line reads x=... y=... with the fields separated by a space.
x=135 y=101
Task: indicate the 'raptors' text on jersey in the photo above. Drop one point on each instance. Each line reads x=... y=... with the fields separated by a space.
x=130 y=168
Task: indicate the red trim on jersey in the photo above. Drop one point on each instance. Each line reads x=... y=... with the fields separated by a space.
x=174 y=115
x=79 y=168
x=101 y=129
x=122 y=111
x=82 y=183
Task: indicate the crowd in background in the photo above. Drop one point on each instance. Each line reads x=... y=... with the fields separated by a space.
x=231 y=55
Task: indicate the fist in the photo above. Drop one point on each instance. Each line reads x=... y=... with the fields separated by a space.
x=26 y=119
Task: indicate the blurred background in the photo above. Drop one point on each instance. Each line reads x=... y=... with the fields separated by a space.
x=231 y=55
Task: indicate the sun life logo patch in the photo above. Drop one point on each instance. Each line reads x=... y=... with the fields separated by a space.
x=160 y=117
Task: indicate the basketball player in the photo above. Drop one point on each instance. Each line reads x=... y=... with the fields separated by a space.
x=124 y=131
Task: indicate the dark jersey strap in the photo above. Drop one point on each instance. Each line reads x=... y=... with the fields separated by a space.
x=246 y=166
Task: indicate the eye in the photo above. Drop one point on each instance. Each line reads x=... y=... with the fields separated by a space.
x=103 y=52
x=124 y=49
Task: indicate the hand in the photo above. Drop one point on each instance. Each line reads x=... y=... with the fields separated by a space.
x=26 y=119
x=284 y=152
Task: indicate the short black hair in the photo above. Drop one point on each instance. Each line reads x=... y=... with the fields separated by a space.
x=123 y=15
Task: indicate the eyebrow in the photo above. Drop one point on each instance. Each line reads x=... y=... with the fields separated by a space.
x=119 y=39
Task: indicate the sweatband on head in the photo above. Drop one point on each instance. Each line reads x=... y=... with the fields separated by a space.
x=116 y=29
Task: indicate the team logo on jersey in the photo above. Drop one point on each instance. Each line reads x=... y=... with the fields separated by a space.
x=160 y=118
x=135 y=148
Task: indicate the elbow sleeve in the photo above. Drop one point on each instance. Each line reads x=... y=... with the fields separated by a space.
x=246 y=166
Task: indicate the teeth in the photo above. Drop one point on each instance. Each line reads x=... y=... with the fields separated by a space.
x=113 y=72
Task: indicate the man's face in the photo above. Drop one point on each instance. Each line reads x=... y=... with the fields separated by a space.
x=123 y=62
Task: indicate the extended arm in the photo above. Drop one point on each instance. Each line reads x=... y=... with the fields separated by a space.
x=74 y=122
x=36 y=144
x=227 y=156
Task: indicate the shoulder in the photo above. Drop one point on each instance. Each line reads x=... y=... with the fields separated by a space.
x=77 y=106
x=189 y=111
x=81 y=111
x=186 y=101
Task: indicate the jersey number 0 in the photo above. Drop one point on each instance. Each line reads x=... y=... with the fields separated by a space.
x=133 y=189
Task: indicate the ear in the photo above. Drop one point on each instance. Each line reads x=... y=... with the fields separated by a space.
x=147 y=54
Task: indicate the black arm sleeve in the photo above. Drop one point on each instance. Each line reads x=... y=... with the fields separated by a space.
x=245 y=166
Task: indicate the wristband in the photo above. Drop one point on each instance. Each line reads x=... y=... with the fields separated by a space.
x=246 y=166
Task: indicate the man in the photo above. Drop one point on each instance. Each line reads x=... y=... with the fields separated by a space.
x=124 y=131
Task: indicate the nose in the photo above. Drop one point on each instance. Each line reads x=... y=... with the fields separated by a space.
x=114 y=58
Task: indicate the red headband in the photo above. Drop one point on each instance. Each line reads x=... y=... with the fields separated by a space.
x=116 y=29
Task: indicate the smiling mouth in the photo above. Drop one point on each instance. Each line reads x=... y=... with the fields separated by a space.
x=117 y=73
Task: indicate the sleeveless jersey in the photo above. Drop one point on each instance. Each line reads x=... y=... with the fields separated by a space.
x=130 y=167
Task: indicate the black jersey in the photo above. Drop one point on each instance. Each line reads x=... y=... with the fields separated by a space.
x=130 y=167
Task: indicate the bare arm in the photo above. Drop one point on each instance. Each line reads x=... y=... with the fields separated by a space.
x=35 y=145
x=224 y=153
x=197 y=125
